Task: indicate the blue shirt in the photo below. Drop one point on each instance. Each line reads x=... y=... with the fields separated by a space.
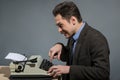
x=76 y=35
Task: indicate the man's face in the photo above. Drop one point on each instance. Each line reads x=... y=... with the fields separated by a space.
x=64 y=27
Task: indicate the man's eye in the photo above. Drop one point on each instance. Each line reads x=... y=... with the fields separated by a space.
x=60 y=25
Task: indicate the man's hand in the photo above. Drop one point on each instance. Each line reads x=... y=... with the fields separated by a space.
x=55 y=52
x=58 y=70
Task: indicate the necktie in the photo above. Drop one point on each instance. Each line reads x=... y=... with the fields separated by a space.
x=72 y=41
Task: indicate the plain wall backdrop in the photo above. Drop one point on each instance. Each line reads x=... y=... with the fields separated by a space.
x=28 y=27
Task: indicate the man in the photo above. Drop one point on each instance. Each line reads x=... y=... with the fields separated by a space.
x=88 y=57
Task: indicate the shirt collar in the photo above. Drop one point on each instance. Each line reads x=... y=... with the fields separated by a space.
x=76 y=35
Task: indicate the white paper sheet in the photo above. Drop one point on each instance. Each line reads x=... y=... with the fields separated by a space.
x=16 y=57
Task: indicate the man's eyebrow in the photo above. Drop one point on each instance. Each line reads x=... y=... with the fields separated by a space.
x=58 y=24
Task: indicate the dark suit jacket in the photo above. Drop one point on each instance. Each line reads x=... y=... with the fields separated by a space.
x=91 y=57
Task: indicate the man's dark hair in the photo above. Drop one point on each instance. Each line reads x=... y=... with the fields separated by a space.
x=67 y=9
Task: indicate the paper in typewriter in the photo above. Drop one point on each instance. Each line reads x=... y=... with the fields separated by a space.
x=16 y=57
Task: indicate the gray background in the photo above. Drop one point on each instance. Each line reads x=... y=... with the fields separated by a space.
x=27 y=27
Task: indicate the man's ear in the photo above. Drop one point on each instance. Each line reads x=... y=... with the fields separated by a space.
x=73 y=20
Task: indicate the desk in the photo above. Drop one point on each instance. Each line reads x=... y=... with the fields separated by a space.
x=4 y=72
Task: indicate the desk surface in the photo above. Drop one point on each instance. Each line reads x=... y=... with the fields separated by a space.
x=4 y=72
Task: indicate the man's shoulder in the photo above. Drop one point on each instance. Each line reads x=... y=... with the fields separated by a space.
x=92 y=32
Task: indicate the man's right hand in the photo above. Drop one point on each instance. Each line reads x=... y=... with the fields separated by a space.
x=55 y=52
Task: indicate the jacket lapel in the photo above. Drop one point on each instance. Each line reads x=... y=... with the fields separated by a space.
x=79 y=44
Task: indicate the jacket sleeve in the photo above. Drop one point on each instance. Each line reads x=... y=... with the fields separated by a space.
x=99 y=69
x=64 y=53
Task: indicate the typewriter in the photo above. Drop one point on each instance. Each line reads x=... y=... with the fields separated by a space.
x=34 y=68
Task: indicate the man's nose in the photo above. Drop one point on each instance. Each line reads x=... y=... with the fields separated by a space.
x=59 y=29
